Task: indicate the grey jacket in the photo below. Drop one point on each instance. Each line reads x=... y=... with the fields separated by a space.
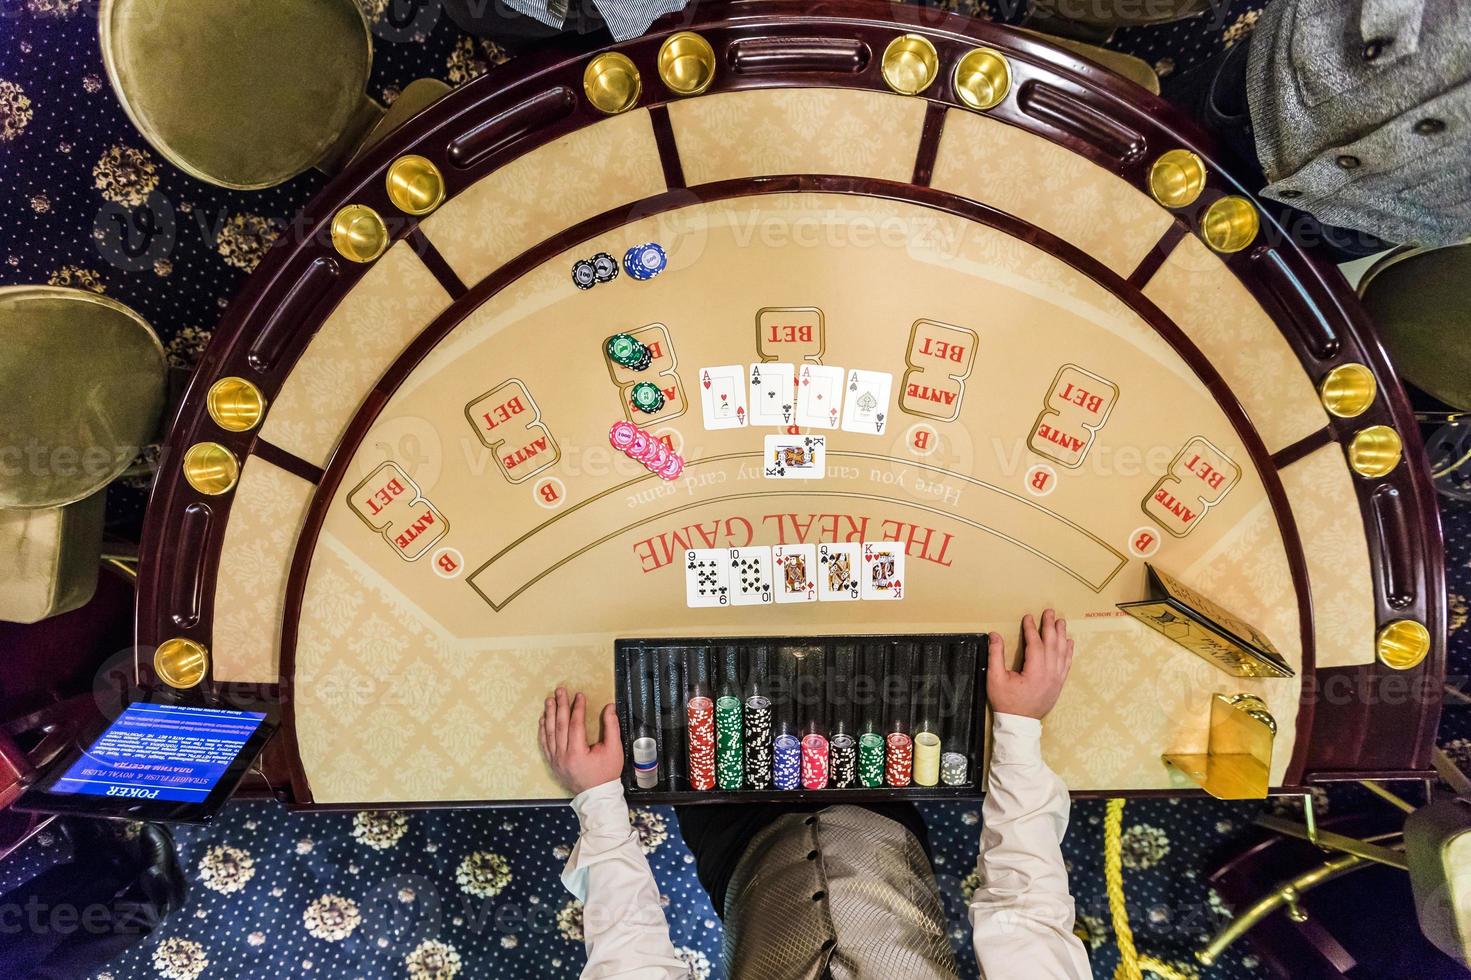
x=1361 y=111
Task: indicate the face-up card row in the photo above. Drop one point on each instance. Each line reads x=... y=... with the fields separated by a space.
x=793 y=573
x=814 y=396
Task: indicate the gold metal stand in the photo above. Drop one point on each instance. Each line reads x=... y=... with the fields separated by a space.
x=1237 y=763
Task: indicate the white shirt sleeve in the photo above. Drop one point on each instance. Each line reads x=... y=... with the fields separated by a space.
x=622 y=921
x=1022 y=913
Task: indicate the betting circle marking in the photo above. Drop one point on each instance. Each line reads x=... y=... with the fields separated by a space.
x=448 y=563
x=1144 y=541
x=1041 y=480
x=549 y=493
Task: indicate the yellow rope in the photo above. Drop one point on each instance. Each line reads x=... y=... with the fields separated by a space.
x=1131 y=964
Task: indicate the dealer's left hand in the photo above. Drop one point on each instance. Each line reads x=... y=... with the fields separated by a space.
x=562 y=730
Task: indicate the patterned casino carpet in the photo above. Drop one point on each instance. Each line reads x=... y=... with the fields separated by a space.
x=84 y=202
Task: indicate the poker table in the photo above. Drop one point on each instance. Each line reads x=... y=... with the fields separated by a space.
x=1105 y=354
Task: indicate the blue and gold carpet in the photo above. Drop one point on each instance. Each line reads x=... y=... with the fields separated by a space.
x=433 y=895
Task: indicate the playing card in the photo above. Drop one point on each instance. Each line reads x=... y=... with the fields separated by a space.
x=819 y=396
x=883 y=570
x=866 y=402
x=795 y=457
x=706 y=578
x=750 y=576
x=795 y=569
x=773 y=396
x=837 y=572
x=723 y=395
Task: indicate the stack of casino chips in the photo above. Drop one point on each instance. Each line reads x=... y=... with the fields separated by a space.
x=953 y=768
x=700 y=713
x=644 y=262
x=814 y=761
x=786 y=764
x=871 y=759
x=587 y=273
x=627 y=352
x=654 y=453
x=899 y=761
x=843 y=760
x=729 y=755
x=646 y=397
x=758 y=742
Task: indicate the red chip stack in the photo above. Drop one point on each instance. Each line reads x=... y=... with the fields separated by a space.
x=899 y=764
x=701 y=715
x=814 y=762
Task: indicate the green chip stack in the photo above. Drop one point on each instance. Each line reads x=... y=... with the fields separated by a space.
x=627 y=352
x=647 y=397
x=729 y=748
x=871 y=759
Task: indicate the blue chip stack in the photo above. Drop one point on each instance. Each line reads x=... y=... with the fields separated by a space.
x=787 y=766
x=644 y=261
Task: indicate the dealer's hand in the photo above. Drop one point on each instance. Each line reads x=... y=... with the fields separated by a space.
x=1046 y=659
x=577 y=765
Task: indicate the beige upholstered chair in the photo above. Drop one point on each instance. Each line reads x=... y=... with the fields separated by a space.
x=83 y=379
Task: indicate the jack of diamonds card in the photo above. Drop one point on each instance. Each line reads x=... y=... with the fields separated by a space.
x=750 y=576
x=837 y=572
x=723 y=396
x=795 y=568
x=773 y=394
x=819 y=396
x=794 y=457
x=883 y=570
x=866 y=404
x=706 y=578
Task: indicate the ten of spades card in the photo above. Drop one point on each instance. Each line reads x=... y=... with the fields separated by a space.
x=866 y=402
x=794 y=457
x=837 y=572
x=882 y=570
x=723 y=396
x=749 y=571
x=706 y=577
x=773 y=395
x=819 y=396
x=795 y=568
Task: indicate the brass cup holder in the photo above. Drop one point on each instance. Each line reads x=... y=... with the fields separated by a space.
x=910 y=64
x=686 y=63
x=1177 y=178
x=1348 y=390
x=982 y=78
x=235 y=404
x=1402 y=644
x=415 y=185
x=180 y=663
x=359 y=234
x=1375 y=451
x=611 y=83
x=1230 y=224
x=211 y=468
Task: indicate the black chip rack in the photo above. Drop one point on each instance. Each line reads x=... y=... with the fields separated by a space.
x=870 y=683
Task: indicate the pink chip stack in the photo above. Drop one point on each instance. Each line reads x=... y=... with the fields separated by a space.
x=701 y=715
x=654 y=453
